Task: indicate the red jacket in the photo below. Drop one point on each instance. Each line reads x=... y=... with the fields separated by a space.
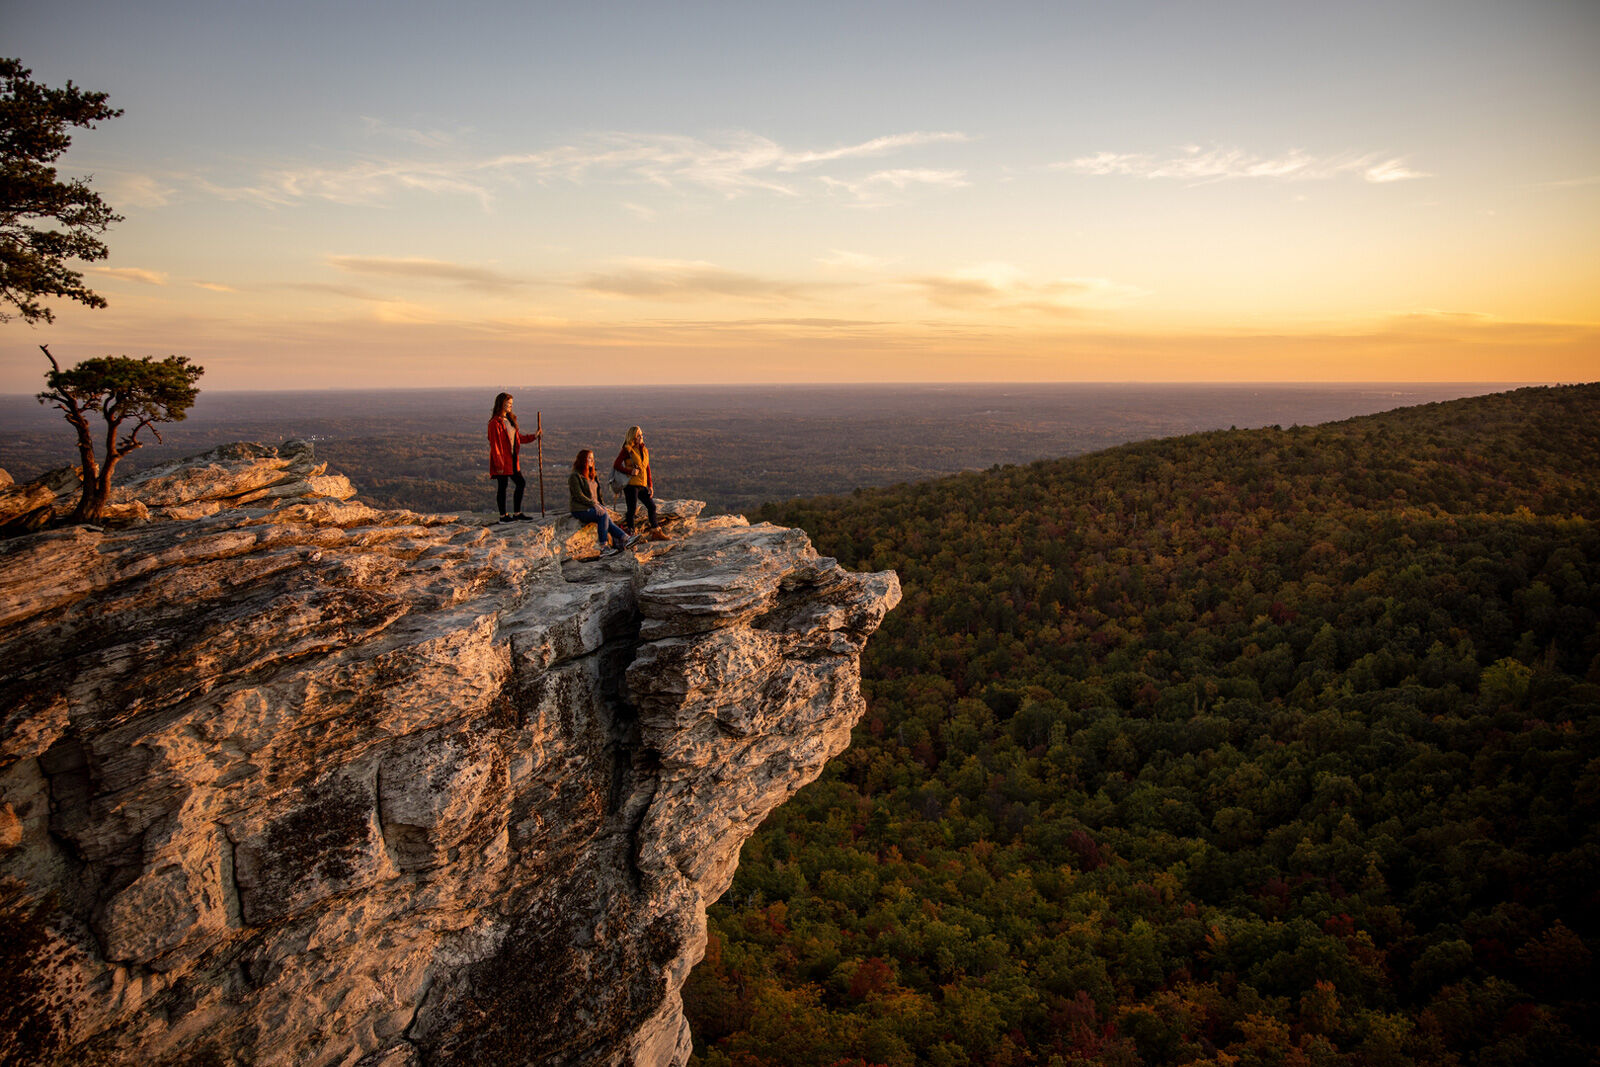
x=505 y=447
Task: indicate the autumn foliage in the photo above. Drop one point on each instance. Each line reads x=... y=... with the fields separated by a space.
x=1249 y=747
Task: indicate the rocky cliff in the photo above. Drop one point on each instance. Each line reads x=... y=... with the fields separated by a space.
x=290 y=780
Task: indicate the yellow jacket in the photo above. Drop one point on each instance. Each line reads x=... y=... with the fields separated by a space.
x=636 y=457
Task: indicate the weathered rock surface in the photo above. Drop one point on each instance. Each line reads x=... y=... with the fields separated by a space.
x=314 y=783
x=229 y=476
x=24 y=506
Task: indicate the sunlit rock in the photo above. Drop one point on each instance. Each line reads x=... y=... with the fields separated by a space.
x=294 y=780
x=229 y=476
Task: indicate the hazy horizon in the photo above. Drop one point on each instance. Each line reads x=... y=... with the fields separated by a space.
x=1397 y=383
x=731 y=445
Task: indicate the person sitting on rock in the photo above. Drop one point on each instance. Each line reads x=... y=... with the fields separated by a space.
x=586 y=506
x=505 y=456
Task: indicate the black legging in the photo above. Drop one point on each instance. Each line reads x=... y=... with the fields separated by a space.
x=500 y=493
x=636 y=493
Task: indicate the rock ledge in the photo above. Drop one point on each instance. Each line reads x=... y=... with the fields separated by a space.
x=297 y=781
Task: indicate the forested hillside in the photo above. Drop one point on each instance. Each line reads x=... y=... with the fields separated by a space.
x=1249 y=747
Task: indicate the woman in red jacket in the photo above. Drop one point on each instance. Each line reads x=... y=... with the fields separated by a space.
x=505 y=456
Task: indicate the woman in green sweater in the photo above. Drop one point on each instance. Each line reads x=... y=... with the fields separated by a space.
x=586 y=507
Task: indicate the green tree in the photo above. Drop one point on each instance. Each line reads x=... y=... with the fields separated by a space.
x=35 y=121
x=120 y=388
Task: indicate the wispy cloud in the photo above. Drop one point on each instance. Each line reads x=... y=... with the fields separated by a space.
x=1475 y=327
x=1571 y=183
x=873 y=187
x=736 y=164
x=851 y=260
x=682 y=280
x=215 y=287
x=137 y=191
x=1392 y=170
x=803 y=323
x=363 y=182
x=350 y=292
x=133 y=274
x=1001 y=286
x=739 y=163
x=1439 y=315
x=1199 y=165
x=427 y=270
x=425 y=138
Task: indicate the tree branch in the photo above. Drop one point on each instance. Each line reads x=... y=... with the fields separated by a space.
x=131 y=442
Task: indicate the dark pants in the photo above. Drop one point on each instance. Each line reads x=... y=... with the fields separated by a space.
x=500 y=493
x=636 y=494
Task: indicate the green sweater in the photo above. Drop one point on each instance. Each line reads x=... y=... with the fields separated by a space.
x=584 y=492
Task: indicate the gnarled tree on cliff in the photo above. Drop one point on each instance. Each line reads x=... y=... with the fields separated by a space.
x=120 y=388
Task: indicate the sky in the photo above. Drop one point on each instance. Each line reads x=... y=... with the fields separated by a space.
x=348 y=195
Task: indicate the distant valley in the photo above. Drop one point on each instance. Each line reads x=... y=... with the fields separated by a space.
x=734 y=447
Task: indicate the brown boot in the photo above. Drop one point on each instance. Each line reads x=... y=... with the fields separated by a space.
x=657 y=535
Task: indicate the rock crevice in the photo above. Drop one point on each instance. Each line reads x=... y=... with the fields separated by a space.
x=294 y=780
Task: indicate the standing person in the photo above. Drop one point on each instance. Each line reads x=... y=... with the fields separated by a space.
x=634 y=461
x=505 y=456
x=586 y=507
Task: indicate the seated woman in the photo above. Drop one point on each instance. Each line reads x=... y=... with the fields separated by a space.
x=586 y=506
x=634 y=461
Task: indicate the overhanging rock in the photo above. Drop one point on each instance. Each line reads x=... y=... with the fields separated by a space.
x=320 y=784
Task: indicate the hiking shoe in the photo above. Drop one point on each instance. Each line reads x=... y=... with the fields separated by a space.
x=657 y=535
x=632 y=540
x=520 y=517
x=507 y=518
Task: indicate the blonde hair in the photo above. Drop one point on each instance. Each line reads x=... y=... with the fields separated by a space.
x=634 y=434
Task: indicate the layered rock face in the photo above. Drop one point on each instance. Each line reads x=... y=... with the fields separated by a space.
x=320 y=784
x=236 y=475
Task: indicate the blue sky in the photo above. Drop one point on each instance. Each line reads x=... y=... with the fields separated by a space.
x=317 y=194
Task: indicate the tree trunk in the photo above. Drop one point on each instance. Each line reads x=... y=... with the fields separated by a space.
x=97 y=490
x=92 y=501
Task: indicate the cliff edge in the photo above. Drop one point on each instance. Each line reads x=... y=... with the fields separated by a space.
x=285 y=779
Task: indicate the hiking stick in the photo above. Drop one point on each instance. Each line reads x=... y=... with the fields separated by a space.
x=538 y=427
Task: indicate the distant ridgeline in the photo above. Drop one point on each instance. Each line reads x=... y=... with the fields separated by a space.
x=1281 y=745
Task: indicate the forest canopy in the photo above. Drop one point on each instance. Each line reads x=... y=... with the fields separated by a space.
x=1247 y=747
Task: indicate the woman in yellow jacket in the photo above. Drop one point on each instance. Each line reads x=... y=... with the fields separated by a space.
x=634 y=461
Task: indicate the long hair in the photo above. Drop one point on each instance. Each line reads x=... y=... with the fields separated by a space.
x=581 y=464
x=634 y=434
x=500 y=411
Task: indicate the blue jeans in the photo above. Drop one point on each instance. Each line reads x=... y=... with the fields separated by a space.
x=602 y=523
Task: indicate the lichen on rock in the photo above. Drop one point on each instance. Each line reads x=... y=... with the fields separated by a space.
x=294 y=780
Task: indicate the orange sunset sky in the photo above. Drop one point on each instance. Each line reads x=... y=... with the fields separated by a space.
x=355 y=195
